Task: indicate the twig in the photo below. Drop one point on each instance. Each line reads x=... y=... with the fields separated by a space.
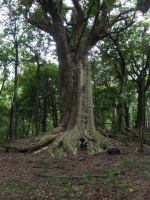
x=105 y=134
x=75 y=177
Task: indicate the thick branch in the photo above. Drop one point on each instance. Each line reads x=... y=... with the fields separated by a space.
x=78 y=9
x=115 y=41
x=42 y=26
x=103 y=29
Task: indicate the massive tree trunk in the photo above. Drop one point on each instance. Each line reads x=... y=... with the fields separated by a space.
x=74 y=38
x=77 y=108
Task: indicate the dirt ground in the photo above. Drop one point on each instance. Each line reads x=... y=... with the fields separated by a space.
x=40 y=176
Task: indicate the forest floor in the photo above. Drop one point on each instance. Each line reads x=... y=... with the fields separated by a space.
x=39 y=176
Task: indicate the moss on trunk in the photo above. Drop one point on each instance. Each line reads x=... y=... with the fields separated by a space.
x=63 y=143
x=69 y=142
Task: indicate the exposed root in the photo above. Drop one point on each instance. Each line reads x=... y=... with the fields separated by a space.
x=63 y=143
x=69 y=142
x=30 y=146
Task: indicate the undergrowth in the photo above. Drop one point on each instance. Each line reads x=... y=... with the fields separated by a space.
x=107 y=178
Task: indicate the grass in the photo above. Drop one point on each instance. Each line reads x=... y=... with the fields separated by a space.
x=12 y=186
x=110 y=178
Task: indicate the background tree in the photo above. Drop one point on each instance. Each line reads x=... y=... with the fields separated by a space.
x=17 y=38
x=115 y=52
x=48 y=114
x=120 y=51
x=104 y=92
x=140 y=69
x=12 y=32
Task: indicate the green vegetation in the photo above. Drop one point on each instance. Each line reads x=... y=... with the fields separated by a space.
x=70 y=187
x=115 y=62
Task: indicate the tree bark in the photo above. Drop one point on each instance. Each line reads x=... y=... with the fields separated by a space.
x=127 y=115
x=77 y=108
x=44 y=115
x=141 y=105
x=36 y=111
x=120 y=67
x=14 y=100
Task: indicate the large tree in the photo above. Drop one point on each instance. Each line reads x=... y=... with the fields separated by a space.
x=139 y=62
x=76 y=29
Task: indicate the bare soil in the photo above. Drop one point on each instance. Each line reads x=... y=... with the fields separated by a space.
x=40 y=176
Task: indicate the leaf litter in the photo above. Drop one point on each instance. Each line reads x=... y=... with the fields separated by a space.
x=40 y=176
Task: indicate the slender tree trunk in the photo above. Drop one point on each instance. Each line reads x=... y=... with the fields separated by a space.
x=45 y=104
x=37 y=97
x=120 y=106
x=121 y=71
x=14 y=101
x=126 y=115
x=113 y=126
x=44 y=118
x=11 y=122
x=28 y=128
x=54 y=111
x=141 y=106
x=2 y=86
